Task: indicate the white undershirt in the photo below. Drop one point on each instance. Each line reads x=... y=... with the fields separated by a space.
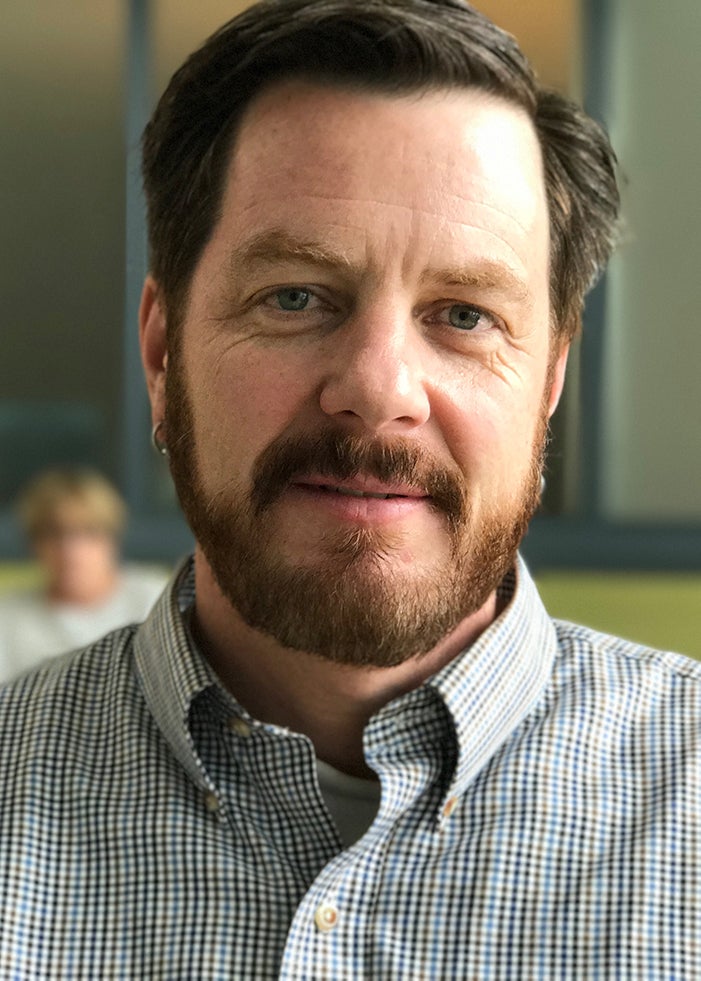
x=352 y=802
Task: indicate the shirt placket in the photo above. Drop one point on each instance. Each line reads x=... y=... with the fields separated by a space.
x=282 y=834
x=333 y=931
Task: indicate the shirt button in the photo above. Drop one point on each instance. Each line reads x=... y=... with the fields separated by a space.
x=326 y=917
x=211 y=802
x=239 y=726
x=449 y=806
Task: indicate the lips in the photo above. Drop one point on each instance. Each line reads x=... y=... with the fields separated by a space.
x=349 y=492
x=361 y=487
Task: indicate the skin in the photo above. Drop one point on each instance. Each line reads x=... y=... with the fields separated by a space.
x=79 y=561
x=397 y=215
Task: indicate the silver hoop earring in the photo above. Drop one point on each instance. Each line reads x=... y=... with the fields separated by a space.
x=159 y=445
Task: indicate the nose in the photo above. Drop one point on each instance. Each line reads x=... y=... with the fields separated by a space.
x=377 y=374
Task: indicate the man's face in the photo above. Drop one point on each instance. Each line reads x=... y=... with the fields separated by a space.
x=357 y=410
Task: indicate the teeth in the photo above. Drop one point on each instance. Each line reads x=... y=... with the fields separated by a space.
x=355 y=493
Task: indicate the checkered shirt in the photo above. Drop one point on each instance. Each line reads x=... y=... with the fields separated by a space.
x=540 y=818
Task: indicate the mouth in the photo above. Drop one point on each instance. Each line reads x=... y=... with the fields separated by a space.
x=363 y=488
x=358 y=499
x=350 y=492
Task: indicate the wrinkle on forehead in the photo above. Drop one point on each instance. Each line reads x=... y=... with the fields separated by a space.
x=464 y=142
x=339 y=200
x=364 y=182
x=428 y=251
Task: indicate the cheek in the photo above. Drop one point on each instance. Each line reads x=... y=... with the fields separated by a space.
x=490 y=427
x=246 y=400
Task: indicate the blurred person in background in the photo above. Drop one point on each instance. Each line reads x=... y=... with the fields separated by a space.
x=73 y=521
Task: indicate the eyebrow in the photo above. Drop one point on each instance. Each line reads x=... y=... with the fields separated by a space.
x=484 y=275
x=277 y=245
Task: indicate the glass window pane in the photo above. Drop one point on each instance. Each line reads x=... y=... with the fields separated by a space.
x=652 y=432
x=61 y=236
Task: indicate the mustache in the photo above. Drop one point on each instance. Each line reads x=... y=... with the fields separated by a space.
x=343 y=456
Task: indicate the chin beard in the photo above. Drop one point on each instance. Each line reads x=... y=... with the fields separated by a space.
x=353 y=606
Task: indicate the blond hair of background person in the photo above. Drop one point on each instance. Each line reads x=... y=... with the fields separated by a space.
x=73 y=521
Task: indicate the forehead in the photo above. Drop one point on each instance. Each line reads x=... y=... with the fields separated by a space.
x=450 y=161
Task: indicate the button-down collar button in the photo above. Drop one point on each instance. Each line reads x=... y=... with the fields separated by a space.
x=449 y=806
x=211 y=802
x=239 y=726
x=326 y=917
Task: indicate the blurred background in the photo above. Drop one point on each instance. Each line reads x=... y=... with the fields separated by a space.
x=618 y=544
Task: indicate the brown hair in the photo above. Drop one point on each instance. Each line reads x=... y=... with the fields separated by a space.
x=392 y=46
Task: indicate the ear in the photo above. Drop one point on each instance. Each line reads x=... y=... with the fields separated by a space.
x=154 y=348
x=557 y=376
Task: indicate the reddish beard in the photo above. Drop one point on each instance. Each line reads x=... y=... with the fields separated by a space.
x=351 y=606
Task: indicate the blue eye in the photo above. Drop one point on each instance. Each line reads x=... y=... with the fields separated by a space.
x=464 y=317
x=293 y=298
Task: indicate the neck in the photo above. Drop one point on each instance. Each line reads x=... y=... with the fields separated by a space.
x=330 y=703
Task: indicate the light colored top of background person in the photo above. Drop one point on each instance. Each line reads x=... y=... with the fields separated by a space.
x=73 y=520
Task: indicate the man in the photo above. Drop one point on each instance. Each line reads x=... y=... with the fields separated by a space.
x=349 y=742
x=73 y=521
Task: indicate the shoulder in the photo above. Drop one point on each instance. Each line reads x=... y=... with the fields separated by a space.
x=622 y=722
x=634 y=687
x=27 y=632
x=18 y=608
x=80 y=756
x=147 y=581
x=70 y=694
x=138 y=590
x=72 y=731
x=17 y=601
x=145 y=575
x=585 y=646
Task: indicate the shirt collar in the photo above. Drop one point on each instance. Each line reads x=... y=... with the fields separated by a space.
x=492 y=687
x=171 y=671
x=488 y=690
